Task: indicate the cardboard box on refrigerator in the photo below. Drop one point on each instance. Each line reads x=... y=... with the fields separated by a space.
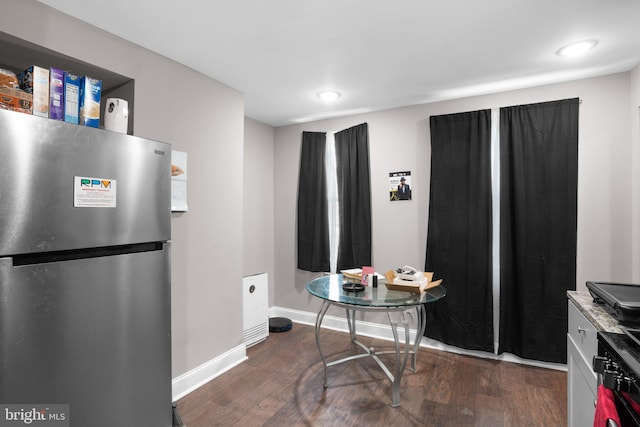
x=90 y=92
x=35 y=80
x=15 y=99
x=71 y=98
x=56 y=94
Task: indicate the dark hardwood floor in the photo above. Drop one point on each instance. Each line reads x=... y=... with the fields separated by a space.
x=281 y=385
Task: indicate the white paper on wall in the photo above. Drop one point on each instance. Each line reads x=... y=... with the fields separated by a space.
x=179 y=181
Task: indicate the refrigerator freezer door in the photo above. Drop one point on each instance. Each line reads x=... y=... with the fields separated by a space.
x=93 y=334
x=41 y=208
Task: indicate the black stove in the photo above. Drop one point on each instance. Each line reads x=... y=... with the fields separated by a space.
x=618 y=361
x=618 y=366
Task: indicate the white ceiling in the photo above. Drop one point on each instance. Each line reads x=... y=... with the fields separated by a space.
x=378 y=54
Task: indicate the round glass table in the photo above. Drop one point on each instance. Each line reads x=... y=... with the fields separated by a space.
x=380 y=299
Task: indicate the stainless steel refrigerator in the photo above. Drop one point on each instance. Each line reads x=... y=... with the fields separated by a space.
x=84 y=272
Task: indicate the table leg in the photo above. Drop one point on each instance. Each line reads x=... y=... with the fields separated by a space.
x=321 y=313
x=402 y=355
x=351 y=322
x=421 y=313
x=401 y=360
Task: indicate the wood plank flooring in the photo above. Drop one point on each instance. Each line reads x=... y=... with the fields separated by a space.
x=281 y=385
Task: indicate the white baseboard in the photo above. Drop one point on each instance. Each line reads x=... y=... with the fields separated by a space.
x=189 y=381
x=380 y=331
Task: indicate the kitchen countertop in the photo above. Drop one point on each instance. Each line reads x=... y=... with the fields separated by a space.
x=601 y=319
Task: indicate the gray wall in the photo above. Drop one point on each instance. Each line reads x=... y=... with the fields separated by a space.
x=257 y=237
x=399 y=140
x=634 y=111
x=206 y=121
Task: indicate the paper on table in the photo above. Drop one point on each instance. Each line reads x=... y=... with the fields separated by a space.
x=354 y=273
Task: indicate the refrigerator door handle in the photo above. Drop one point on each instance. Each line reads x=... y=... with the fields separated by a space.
x=85 y=253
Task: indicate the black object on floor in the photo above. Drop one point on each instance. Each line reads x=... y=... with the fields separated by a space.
x=279 y=324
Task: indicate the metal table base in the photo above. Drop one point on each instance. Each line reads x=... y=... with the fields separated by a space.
x=401 y=356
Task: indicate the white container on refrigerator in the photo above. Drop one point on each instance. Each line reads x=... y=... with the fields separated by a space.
x=116 y=116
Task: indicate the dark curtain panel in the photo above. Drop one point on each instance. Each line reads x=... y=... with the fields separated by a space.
x=538 y=220
x=459 y=237
x=354 y=195
x=313 y=220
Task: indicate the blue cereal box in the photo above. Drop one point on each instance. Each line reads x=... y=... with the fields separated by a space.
x=90 y=91
x=35 y=80
x=56 y=94
x=71 y=98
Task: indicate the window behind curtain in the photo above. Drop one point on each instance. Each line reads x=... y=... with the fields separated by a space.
x=333 y=201
x=460 y=227
x=538 y=223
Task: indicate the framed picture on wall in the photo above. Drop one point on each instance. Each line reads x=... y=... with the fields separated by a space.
x=400 y=186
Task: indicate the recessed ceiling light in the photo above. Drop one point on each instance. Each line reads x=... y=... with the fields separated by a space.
x=329 y=95
x=578 y=48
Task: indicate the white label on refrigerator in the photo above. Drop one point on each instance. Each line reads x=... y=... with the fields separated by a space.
x=89 y=192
